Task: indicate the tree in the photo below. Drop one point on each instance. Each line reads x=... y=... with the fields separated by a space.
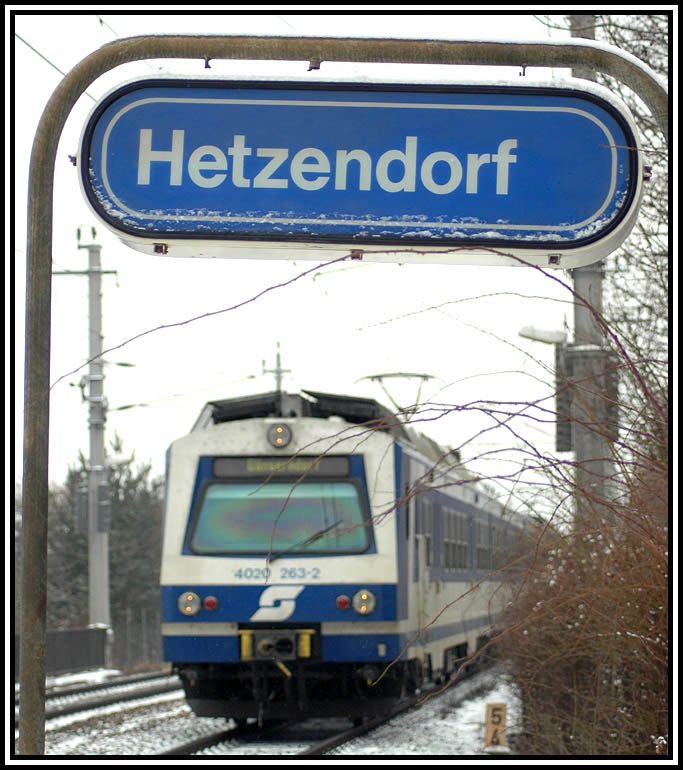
x=135 y=536
x=134 y=543
x=637 y=285
x=67 y=554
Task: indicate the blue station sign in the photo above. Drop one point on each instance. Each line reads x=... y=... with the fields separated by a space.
x=432 y=173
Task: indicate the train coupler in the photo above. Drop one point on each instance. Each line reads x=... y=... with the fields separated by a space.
x=283 y=668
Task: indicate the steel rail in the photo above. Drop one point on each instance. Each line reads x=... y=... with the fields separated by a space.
x=94 y=699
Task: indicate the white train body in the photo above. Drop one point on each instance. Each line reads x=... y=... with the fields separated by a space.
x=320 y=561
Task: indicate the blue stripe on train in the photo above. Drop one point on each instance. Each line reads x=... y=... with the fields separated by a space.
x=222 y=648
x=201 y=649
x=312 y=603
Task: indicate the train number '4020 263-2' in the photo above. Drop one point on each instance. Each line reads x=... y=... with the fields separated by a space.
x=281 y=573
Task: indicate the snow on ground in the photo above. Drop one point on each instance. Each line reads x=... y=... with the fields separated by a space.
x=82 y=677
x=451 y=725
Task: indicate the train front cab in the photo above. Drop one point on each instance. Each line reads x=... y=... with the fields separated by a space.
x=300 y=619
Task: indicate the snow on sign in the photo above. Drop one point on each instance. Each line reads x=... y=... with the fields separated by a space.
x=404 y=173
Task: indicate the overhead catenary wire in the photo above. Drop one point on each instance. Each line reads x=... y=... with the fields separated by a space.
x=48 y=61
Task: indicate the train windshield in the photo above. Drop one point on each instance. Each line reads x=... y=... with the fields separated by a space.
x=280 y=517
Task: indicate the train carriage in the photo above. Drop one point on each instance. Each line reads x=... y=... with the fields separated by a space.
x=320 y=558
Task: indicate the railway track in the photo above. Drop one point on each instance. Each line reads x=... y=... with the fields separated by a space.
x=318 y=737
x=306 y=738
x=309 y=737
x=312 y=737
x=63 y=701
x=117 y=679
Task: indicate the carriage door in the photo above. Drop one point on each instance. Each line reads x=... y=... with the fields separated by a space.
x=424 y=554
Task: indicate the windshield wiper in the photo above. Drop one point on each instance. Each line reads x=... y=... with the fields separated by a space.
x=315 y=536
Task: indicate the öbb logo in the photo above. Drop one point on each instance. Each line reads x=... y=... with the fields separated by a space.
x=277 y=603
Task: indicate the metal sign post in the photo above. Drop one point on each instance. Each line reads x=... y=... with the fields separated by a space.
x=598 y=57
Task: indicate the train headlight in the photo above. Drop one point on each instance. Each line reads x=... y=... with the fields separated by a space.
x=279 y=435
x=364 y=601
x=189 y=603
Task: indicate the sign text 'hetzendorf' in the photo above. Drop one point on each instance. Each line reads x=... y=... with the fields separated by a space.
x=455 y=174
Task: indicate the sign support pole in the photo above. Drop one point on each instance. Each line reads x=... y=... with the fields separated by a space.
x=599 y=57
x=589 y=360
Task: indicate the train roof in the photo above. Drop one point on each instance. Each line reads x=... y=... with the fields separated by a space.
x=311 y=403
x=353 y=409
x=308 y=403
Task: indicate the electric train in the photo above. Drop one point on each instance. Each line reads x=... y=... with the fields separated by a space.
x=320 y=557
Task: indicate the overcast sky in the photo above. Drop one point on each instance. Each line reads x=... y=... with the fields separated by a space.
x=335 y=326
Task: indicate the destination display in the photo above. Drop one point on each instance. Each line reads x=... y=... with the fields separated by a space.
x=241 y=467
x=209 y=168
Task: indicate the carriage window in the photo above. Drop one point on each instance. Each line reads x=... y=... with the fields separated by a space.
x=499 y=537
x=482 y=545
x=427 y=528
x=254 y=517
x=448 y=519
x=456 y=540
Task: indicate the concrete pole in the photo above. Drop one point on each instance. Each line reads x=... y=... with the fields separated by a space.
x=589 y=360
x=97 y=519
x=98 y=526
